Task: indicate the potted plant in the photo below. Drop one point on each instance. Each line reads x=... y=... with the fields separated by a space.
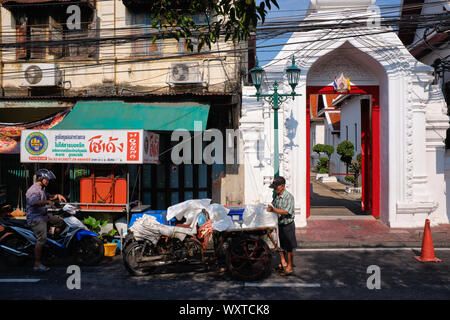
x=355 y=169
x=97 y=226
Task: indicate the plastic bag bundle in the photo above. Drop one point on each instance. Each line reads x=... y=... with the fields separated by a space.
x=220 y=219
x=223 y=224
x=146 y=227
x=217 y=212
x=189 y=209
x=256 y=216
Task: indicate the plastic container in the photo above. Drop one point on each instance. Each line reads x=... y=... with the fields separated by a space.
x=236 y=214
x=110 y=249
x=103 y=190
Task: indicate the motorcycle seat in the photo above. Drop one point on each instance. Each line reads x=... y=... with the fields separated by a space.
x=15 y=223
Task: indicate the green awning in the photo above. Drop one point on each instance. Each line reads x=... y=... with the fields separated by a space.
x=124 y=115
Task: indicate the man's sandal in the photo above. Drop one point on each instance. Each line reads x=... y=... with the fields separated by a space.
x=42 y=268
x=285 y=273
x=279 y=268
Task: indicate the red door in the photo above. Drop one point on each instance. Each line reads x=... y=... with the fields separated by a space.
x=370 y=146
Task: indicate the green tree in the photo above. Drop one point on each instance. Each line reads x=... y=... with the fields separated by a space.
x=327 y=149
x=346 y=150
x=231 y=19
x=355 y=169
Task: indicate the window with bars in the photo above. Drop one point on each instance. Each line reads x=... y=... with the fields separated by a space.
x=166 y=184
x=43 y=34
x=142 y=27
x=200 y=19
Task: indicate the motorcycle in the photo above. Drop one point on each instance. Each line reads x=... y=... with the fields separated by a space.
x=17 y=241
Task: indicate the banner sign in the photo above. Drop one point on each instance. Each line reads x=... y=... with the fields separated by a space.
x=151 y=147
x=87 y=146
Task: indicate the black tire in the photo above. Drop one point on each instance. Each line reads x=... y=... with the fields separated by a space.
x=88 y=251
x=249 y=259
x=18 y=243
x=130 y=252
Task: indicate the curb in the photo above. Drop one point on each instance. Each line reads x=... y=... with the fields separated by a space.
x=390 y=244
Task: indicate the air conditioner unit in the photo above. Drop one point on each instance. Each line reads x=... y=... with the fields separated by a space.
x=185 y=73
x=41 y=75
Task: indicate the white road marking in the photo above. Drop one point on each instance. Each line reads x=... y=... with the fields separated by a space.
x=363 y=249
x=281 y=285
x=19 y=280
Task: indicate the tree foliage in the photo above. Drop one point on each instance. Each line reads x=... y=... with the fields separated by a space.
x=355 y=169
x=346 y=150
x=327 y=149
x=228 y=19
x=322 y=165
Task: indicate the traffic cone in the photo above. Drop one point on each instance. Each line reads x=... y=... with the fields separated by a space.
x=427 y=254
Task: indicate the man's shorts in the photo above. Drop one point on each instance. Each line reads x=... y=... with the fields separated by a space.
x=39 y=228
x=288 y=241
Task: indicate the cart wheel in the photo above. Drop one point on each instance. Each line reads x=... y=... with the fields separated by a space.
x=249 y=259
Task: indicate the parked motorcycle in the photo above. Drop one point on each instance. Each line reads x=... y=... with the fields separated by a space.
x=17 y=241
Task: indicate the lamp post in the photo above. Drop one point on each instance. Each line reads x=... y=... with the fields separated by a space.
x=275 y=100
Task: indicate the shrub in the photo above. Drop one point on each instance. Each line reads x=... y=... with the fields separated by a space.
x=346 y=150
x=322 y=165
x=324 y=148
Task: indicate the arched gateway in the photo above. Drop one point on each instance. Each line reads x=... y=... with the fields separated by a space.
x=404 y=129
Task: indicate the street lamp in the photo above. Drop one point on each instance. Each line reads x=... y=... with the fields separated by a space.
x=275 y=100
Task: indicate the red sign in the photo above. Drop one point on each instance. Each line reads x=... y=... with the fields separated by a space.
x=133 y=146
x=97 y=145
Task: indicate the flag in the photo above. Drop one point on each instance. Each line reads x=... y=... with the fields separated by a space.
x=335 y=84
x=348 y=84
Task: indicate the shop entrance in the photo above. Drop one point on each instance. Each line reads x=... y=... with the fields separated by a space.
x=331 y=197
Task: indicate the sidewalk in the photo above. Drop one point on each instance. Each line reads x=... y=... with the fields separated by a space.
x=345 y=233
x=337 y=221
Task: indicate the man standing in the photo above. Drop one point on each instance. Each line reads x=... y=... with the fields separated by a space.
x=37 y=216
x=283 y=204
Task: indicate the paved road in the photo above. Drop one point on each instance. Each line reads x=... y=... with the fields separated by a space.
x=319 y=274
x=332 y=200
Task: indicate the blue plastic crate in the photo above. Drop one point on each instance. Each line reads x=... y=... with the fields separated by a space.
x=236 y=214
x=160 y=216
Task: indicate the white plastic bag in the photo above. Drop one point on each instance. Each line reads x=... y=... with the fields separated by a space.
x=217 y=212
x=147 y=227
x=223 y=224
x=188 y=209
x=256 y=216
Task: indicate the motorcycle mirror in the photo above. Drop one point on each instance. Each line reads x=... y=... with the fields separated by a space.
x=70 y=209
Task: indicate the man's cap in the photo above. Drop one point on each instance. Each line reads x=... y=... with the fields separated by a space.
x=277 y=181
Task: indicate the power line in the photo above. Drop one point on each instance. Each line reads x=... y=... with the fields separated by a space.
x=168 y=57
x=184 y=55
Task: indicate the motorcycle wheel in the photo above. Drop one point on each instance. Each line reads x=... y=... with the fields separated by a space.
x=17 y=243
x=130 y=254
x=88 y=251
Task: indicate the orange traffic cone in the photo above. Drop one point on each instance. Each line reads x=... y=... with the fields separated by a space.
x=427 y=254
